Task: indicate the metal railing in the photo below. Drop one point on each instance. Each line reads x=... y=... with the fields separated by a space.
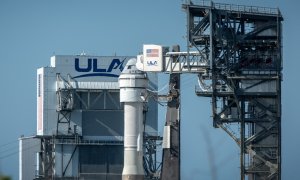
x=248 y=9
x=86 y=142
x=235 y=8
x=192 y=61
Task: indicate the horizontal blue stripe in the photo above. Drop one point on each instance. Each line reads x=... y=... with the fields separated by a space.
x=97 y=74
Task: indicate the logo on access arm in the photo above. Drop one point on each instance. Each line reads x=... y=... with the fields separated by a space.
x=152 y=63
x=92 y=68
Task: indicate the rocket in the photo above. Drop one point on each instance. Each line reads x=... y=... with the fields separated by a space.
x=133 y=83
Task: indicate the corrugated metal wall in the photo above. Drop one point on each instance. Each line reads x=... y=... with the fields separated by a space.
x=29 y=147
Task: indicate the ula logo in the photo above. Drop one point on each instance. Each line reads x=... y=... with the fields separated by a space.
x=152 y=63
x=92 y=67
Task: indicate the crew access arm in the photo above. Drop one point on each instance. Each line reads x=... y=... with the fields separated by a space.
x=155 y=58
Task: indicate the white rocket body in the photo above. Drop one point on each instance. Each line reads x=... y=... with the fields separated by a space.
x=133 y=85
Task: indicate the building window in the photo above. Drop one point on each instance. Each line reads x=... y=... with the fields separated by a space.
x=39 y=85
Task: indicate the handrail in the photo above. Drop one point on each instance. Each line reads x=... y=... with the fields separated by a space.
x=234 y=7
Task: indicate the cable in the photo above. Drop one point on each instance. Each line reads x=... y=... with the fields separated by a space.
x=17 y=152
x=8 y=149
x=8 y=143
x=164 y=87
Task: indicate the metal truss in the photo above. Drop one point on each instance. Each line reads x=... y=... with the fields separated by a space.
x=69 y=99
x=46 y=158
x=242 y=45
x=65 y=102
x=152 y=167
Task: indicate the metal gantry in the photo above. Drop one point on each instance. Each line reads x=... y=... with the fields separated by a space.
x=242 y=46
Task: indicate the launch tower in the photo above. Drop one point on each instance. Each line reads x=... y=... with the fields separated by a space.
x=243 y=47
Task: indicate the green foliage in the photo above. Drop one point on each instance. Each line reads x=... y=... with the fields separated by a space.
x=5 y=178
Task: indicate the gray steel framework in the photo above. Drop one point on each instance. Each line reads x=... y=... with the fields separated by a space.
x=242 y=46
x=65 y=101
x=46 y=158
x=152 y=145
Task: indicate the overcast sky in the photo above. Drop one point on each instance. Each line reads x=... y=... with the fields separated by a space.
x=32 y=31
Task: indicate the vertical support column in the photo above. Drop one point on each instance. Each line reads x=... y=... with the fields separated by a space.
x=211 y=52
x=242 y=137
x=278 y=90
x=212 y=66
x=47 y=158
x=188 y=34
x=62 y=160
x=171 y=140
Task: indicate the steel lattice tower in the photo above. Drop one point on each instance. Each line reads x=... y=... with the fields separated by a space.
x=243 y=46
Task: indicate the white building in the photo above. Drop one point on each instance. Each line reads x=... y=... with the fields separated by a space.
x=80 y=123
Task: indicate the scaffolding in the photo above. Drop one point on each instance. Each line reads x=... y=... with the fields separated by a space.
x=243 y=48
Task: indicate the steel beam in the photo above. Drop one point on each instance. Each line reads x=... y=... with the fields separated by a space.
x=244 y=49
